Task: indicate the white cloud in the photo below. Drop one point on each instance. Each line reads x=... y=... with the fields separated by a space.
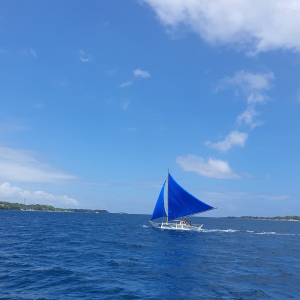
x=20 y=165
x=246 y=175
x=215 y=168
x=255 y=25
x=9 y=127
x=235 y=138
x=112 y=71
x=239 y=203
x=252 y=85
x=248 y=81
x=84 y=57
x=125 y=105
x=39 y=105
x=29 y=51
x=32 y=52
x=63 y=82
x=140 y=73
x=109 y=101
x=257 y=98
x=125 y=84
x=298 y=95
x=8 y=193
x=139 y=184
x=247 y=117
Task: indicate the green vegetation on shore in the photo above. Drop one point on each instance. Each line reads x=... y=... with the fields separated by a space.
x=286 y=218
x=38 y=207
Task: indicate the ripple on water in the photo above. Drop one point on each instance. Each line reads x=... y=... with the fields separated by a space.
x=74 y=256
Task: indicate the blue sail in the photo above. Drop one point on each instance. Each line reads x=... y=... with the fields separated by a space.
x=182 y=203
x=159 y=210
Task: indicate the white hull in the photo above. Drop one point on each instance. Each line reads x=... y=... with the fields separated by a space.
x=176 y=226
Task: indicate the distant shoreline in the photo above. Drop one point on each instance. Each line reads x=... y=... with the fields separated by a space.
x=286 y=218
x=46 y=208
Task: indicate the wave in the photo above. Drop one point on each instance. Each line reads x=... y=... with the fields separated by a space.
x=248 y=231
x=275 y=233
x=236 y=230
x=219 y=230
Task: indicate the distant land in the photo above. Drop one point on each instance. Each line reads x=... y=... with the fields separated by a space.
x=286 y=218
x=38 y=207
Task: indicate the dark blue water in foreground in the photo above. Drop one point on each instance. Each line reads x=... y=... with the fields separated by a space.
x=109 y=256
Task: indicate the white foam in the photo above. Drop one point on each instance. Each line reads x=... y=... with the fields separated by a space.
x=249 y=231
x=233 y=230
x=275 y=233
x=219 y=230
x=286 y=234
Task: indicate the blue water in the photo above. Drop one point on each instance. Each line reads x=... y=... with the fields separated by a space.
x=111 y=256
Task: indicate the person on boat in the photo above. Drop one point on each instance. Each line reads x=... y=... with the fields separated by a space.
x=185 y=220
x=191 y=223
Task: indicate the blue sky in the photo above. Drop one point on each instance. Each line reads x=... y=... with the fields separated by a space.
x=100 y=98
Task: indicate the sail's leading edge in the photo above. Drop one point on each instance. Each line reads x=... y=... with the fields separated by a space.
x=159 y=210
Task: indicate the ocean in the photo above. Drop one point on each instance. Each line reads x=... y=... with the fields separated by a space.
x=118 y=256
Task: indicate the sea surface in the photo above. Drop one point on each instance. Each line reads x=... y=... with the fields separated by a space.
x=47 y=255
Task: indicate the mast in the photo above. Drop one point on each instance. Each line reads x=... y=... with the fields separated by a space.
x=167 y=212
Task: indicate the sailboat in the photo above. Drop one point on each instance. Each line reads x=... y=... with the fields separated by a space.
x=174 y=203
